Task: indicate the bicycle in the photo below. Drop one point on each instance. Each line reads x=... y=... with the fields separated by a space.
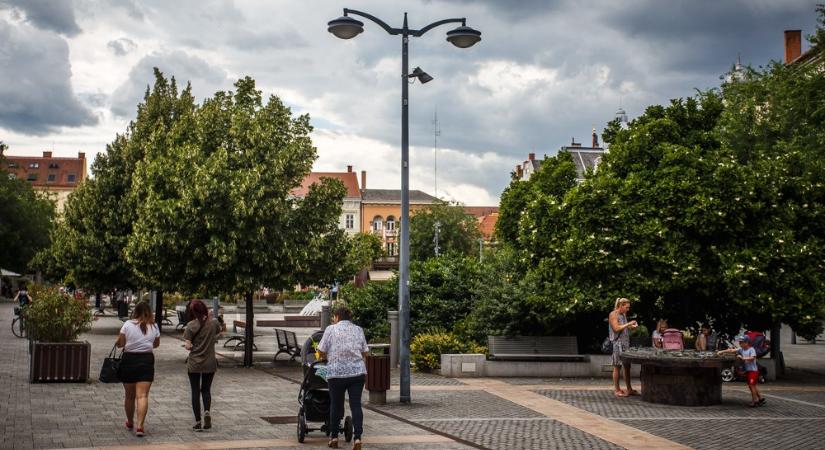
x=18 y=326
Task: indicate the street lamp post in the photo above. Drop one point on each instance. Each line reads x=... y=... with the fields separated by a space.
x=345 y=27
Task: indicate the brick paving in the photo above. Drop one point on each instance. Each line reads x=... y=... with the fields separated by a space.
x=61 y=415
x=545 y=413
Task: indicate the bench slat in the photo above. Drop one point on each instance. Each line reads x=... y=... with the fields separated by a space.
x=533 y=345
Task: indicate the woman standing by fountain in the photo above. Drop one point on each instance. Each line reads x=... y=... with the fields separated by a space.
x=618 y=331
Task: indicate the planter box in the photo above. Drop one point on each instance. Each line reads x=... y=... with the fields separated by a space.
x=59 y=362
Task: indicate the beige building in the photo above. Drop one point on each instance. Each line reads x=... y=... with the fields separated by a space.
x=350 y=220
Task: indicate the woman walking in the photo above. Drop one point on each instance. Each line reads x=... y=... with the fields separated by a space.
x=200 y=336
x=137 y=338
x=617 y=330
x=344 y=347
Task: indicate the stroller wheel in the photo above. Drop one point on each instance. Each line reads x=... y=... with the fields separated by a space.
x=302 y=426
x=348 y=428
x=728 y=375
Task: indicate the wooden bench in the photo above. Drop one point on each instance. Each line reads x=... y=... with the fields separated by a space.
x=287 y=343
x=238 y=336
x=534 y=348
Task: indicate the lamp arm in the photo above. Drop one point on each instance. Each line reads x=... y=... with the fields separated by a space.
x=418 y=33
x=378 y=21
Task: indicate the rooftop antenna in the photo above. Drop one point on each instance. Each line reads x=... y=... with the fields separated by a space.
x=436 y=134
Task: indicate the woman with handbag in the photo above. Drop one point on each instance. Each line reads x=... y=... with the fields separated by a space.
x=200 y=336
x=137 y=338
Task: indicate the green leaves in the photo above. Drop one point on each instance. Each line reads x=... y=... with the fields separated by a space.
x=458 y=231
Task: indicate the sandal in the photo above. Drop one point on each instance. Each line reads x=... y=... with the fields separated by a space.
x=753 y=404
x=356 y=445
x=633 y=392
x=761 y=401
x=620 y=393
x=333 y=443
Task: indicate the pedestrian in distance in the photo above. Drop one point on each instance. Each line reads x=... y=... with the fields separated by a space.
x=199 y=337
x=618 y=327
x=344 y=347
x=138 y=337
x=747 y=355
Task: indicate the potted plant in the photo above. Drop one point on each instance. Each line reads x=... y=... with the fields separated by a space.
x=53 y=322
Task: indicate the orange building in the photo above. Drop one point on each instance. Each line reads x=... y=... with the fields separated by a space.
x=56 y=176
x=487 y=217
x=381 y=214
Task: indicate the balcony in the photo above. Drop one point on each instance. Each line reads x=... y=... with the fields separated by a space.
x=385 y=263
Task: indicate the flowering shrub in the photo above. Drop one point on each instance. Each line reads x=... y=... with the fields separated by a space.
x=56 y=317
x=426 y=349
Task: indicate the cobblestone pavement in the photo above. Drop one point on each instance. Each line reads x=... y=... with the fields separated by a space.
x=518 y=413
x=58 y=415
x=790 y=420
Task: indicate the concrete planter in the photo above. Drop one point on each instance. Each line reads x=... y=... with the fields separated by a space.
x=59 y=361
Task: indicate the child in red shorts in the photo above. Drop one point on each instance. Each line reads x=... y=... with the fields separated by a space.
x=748 y=356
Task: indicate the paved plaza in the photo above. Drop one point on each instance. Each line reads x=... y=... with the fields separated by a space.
x=530 y=413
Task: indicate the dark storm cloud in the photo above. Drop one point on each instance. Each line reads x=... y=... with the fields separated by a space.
x=121 y=46
x=206 y=79
x=35 y=89
x=702 y=35
x=54 y=15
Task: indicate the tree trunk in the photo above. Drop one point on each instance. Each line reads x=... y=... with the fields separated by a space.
x=159 y=310
x=248 y=331
x=776 y=347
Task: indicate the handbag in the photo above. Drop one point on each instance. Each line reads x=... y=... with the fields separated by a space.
x=111 y=365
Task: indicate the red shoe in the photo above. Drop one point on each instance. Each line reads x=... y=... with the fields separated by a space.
x=139 y=432
x=129 y=425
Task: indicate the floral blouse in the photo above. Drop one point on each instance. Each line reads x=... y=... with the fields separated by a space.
x=343 y=343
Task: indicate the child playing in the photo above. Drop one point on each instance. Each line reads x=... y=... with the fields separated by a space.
x=748 y=356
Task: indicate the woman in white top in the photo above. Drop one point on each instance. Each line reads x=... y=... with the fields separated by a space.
x=137 y=338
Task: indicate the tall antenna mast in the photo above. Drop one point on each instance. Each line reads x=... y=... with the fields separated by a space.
x=436 y=134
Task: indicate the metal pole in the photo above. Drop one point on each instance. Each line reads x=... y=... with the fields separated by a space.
x=249 y=337
x=404 y=264
x=392 y=317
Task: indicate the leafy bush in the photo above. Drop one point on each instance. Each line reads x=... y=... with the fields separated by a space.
x=369 y=306
x=56 y=317
x=426 y=348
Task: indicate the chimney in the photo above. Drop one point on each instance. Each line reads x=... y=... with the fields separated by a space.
x=531 y=156
x=47 y=154
x=595 y=139
x=349 y=169
x=363 y=179
x=81 y=155
x=793 y=45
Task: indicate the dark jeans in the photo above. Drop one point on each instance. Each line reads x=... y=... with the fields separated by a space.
x=353 y=386
x=201 y=384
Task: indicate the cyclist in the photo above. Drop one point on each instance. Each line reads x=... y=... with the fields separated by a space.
x=22 y=298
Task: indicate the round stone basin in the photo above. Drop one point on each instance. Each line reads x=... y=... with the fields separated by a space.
x=679 y=377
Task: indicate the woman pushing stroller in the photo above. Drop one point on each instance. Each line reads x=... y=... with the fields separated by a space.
x=345 y=348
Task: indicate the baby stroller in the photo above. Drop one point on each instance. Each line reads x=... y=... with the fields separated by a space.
x=313 y=397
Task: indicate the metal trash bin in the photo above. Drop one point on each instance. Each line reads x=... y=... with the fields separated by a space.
x=378 y=373
x=122 y=309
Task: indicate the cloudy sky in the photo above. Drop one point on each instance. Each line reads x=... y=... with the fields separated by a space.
x=72 y=72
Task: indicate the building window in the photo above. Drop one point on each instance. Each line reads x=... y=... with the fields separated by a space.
x=350 y=220
x=390 y=223
x=12 y=176
x=52 y=177
x=392 y=249
x=377 y=224
x=32 y=176
x=34 y=165
x=12 y=165
x=71 y=178
x=53 y=166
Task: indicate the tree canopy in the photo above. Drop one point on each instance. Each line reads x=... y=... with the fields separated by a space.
x=458 y=231
x=26 y=218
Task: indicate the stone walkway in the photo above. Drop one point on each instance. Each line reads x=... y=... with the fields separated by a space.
x=523 y=413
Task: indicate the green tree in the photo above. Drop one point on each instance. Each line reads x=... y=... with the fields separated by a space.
x=215 y=204
x=458 y=231
x=26 y=218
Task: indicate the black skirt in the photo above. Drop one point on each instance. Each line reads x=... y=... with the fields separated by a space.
x=135 y=367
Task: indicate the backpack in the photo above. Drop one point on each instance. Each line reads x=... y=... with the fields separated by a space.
x=23 y=298
x=672 y=339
